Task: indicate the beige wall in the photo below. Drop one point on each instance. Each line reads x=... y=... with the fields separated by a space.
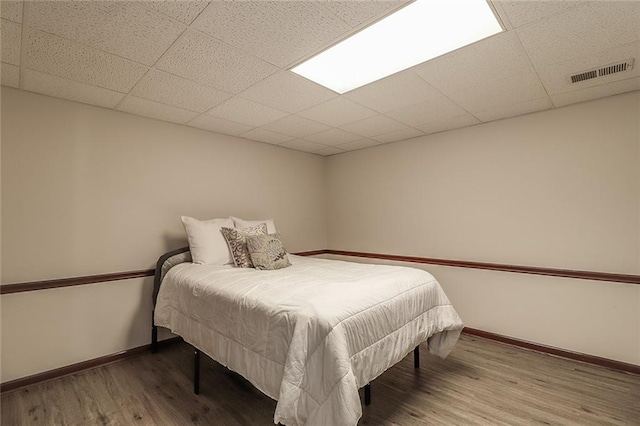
x=87 y=190
x=558 y=189
x=46 y=329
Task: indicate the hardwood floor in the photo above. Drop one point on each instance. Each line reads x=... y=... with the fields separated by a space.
x=482 y=382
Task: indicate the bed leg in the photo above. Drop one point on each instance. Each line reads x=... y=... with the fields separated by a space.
x=196 y=372
x=154 y=337
x=416 y=357
x=367 y=394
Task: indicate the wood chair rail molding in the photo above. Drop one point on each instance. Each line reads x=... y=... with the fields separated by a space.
x=73 y=281
x=565 y=273
x=535 y=270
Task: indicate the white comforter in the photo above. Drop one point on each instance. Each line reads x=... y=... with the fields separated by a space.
x=311 y=334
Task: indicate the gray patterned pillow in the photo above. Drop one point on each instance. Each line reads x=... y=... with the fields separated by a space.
x=237 y=240
x=267 y=252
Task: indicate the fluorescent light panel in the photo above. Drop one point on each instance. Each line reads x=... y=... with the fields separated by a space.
x=416 y=33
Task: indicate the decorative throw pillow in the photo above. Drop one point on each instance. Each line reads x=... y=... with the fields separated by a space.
x=243 y=224
x=237 y=240
x=206 y=243
x=267 y=252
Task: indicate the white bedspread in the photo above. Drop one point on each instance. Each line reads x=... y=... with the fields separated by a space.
x=312 y=334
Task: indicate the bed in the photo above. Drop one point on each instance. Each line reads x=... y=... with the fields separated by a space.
x=309 y=335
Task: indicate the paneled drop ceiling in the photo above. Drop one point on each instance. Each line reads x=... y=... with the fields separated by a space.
x=223 y=66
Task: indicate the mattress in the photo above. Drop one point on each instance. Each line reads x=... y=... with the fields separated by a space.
x=310 y=335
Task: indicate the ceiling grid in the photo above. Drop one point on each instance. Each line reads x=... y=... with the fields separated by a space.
x=224 y=66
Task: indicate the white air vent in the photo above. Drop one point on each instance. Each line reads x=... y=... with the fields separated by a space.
x=602 y=71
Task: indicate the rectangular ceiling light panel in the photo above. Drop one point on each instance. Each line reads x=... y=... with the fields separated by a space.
x=416 y=33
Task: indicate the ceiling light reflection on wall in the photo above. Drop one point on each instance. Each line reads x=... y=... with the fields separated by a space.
x=416 y=33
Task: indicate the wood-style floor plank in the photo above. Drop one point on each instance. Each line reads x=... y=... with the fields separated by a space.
x=481 y=383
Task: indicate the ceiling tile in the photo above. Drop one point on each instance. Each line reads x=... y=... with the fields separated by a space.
x=333 y=137
x=555 y=77
x=123 y=28
x=295 y=126
x=65 y=58
x=329 y=150
x=51 y=85
x=280 y=32
x=521 y=12
x=155 y=110
x=206 y=60
x=184 y=11
x=393 y=92
x=263 y=135
x=302 y=145
x=10 y=40
x=173 y=90
x=514 y=110
x=248 y=112
x=508 y=91
x=219 y=125
x=481 y=63
x=10 y=75
x=356 y=13
x=11 y=10
x=581 y=31
x=374 y=126
x=449 y=124
x=359 y=144
x=596 y=92
x=505 y=75
x=337 y=111
x=398 y=135
x=288 y=92
x=437 y=108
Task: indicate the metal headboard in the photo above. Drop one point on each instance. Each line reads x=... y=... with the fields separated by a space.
x=165 y=263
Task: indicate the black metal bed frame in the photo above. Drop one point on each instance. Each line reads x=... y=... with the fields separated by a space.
x=157 y=280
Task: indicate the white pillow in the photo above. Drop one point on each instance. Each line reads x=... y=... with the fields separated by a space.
x=242 y=224
x=206 y=242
